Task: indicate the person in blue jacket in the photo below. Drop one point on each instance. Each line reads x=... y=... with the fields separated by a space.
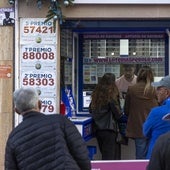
x=161 y=152
x=154 y=126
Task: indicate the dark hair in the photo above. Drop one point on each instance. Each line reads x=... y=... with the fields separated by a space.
x=145 y=74
x=108 y=78
x=105 y=91
x=128 y=66
x=6 y=12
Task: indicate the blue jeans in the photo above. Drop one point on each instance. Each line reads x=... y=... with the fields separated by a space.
x=141 y=145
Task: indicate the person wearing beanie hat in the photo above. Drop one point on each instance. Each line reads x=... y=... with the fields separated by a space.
x=154 y=126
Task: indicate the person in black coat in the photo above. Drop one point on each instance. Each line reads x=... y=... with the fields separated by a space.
x=161 y=153
x=43 y=142
x=105 y=111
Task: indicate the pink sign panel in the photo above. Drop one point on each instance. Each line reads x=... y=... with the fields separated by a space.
x=120 y=165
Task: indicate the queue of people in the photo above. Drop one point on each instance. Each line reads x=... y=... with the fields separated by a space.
x=53 y=141
x=143 y=102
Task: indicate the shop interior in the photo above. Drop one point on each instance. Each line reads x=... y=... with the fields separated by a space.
x=91 y=48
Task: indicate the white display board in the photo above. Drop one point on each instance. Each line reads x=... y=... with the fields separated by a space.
x=38 y=60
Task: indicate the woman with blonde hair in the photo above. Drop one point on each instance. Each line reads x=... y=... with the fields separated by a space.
x=140 y=99
x=105 y=111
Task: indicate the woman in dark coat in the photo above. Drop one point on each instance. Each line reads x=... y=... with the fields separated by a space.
x=105 y=110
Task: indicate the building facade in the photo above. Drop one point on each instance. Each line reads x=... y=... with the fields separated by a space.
x=96 y=37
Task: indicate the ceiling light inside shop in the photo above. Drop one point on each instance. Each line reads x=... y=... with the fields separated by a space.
x=101 y=57
x=112 y=53
x=134 y=53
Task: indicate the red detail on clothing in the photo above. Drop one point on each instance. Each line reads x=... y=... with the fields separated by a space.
x=62 y=108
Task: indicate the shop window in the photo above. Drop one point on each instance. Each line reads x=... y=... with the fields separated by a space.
x=103 y=53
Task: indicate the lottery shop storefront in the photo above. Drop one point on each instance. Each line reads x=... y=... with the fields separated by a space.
x=95 y=50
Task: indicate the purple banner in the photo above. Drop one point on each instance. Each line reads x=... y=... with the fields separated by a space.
x=124 y=35
x=125 y=60
x=120 y=165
